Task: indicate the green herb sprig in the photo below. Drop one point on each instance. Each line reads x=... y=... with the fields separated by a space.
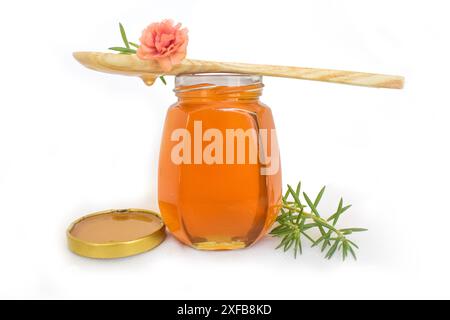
x=296 y=224
x=127 y=49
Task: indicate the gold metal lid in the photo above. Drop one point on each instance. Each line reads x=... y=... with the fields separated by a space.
x=116 y=233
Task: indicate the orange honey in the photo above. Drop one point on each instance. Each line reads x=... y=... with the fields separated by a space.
x=213 y=191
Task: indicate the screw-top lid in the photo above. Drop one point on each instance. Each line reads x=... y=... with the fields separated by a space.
x=116 y=233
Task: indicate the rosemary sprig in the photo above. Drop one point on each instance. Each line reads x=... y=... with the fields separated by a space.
x=127 y=49
x=124 y=36
x=294 y=223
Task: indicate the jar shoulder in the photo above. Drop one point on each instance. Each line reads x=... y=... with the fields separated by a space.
x=253 y=106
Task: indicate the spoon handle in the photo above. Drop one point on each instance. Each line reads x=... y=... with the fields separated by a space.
x=326 y=75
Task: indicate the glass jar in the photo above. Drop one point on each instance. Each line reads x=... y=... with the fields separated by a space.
x=219 y=183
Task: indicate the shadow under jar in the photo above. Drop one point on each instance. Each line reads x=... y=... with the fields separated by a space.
x=219 y=183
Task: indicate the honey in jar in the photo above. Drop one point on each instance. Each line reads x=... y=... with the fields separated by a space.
x=219 y=183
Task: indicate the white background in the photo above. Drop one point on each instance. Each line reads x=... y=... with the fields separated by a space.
x=73 y=141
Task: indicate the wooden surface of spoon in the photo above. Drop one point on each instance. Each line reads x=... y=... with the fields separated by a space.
x=149 y=70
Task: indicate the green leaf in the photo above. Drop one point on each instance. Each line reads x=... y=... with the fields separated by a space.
x=335 y=220
x=286 y=195
x=353 y=230
x=308 y=226
x=314 y=210
x=352 y=252
x=307 y=236
x=300 y=249
x=124 y=50
x=344 y=250
x=289 y=244
x=279 y=229
x=133 y=44
x=124 y=36
x=332 y=250
x=353 y=244
x=339 y=213
x=319 y=197
x=296 y=198
x=282 y=243
x=326 y=241
x=298 y=246
x=311 y=205
x=318 y=241
x=297 y=190
x=163 y=80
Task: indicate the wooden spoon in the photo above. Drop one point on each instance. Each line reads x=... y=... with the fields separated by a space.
x=149 y=70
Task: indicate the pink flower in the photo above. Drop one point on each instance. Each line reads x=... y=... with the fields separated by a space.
x=164 y=42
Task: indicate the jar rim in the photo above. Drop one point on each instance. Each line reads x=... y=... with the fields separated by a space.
x=217 y=79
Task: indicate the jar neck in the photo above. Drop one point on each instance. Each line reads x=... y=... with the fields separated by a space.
x=210 y=93
x=218 y=87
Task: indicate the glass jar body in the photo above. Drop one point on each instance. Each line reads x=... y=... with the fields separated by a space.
x=219 y=183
